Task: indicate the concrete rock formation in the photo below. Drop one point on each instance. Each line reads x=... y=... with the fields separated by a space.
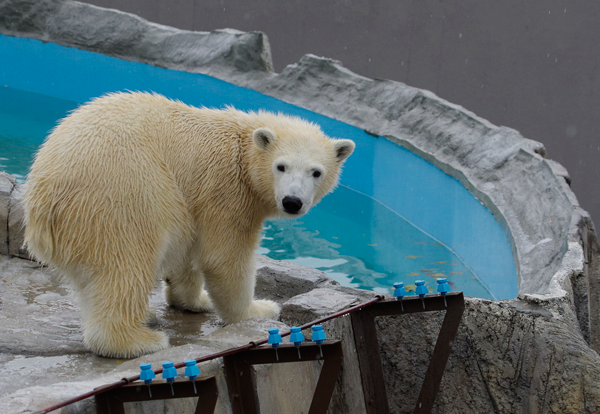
x=11 y=217
x=536 y=353
x=127 y=36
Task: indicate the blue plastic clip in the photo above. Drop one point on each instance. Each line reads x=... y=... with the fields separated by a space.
x=147 y=374
x=275 y=339
x=421 y=290
x=296 y=337
x=169 y=373
x=192 y=371
x=318 y=336
x=443 y=288
x=400 y=292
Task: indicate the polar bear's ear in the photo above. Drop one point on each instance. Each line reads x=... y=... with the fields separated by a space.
x=264 y=137
x=343 y=149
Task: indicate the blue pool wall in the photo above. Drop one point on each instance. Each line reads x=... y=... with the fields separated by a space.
x=432 y=200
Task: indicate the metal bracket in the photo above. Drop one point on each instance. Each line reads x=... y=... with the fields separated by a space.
x=111 y=402
x=241 y=386
x=365 y=336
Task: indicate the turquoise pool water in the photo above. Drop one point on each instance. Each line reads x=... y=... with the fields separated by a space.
x=396 y=217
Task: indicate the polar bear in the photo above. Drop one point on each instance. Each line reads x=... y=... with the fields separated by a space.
x=132 y=187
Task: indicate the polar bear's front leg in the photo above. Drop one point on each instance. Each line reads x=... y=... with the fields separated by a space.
x=230 y=276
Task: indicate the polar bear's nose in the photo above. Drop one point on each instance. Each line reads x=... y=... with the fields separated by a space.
x=292 y=204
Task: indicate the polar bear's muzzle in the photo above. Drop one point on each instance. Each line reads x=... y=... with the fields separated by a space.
x=291 y=204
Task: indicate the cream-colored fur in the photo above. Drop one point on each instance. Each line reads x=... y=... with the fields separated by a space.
x=133 y=186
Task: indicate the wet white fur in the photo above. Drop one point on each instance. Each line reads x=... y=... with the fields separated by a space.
x=132 y=187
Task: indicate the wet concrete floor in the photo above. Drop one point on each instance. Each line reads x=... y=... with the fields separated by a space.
x=40 y=335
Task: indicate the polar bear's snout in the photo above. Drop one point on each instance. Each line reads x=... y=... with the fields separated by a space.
x=291 y=204
x=295 y=189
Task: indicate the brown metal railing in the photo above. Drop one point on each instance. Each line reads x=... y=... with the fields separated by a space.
x=363 y=323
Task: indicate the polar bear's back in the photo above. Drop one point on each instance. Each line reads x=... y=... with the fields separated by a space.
x=99 y=172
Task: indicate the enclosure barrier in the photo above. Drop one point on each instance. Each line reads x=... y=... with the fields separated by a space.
x=241 y=388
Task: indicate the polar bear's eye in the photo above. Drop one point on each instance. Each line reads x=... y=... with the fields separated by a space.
x=281 y=168
x=317 y=174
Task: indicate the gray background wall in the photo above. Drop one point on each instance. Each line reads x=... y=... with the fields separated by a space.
x=532 y=66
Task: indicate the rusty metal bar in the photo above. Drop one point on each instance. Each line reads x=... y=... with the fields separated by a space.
x=112 y=401
x=241 y=384
x=365 y=335
x=415 y=304
x=369 y=359
x=438 y=360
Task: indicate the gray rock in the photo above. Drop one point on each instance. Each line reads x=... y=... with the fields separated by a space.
x=12 y=230
x=281 y=280
x=508 y=357
x=7 y=184
x=16 y=224
x=317 y=304
x=130 y=37
x=512 y=357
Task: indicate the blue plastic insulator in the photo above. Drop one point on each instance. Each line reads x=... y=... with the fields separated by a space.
x=443 y=286
x=191 y=369
x=169 y=372
x=399 y=290
x=296 y=337
x=318 y=335
x=147 y=374
x=421 y=288
x=274 y=337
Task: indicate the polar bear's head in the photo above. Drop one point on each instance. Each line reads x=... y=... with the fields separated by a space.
x=305 y=165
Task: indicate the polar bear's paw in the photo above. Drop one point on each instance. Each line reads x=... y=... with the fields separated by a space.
x=263 y=308
x=132 y=344
x=197 y=303
x=151 y=318
x=200 y=303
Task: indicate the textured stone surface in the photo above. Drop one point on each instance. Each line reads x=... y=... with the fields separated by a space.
x=130 y=37
x=320 y=302
x=7 y=184
x=280 y=281
x=16 y=228
x=11 y=216
x=509 y=357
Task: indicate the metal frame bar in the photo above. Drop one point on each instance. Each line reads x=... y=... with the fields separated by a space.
x=365 y=335
x=112 y=401
x=241 y=384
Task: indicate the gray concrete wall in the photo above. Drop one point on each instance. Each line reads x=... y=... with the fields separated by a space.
x=532 y=66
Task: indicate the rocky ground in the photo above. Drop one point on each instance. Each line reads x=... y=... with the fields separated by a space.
x=519 y=356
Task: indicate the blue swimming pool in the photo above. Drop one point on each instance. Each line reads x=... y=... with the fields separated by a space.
x=396 y=217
